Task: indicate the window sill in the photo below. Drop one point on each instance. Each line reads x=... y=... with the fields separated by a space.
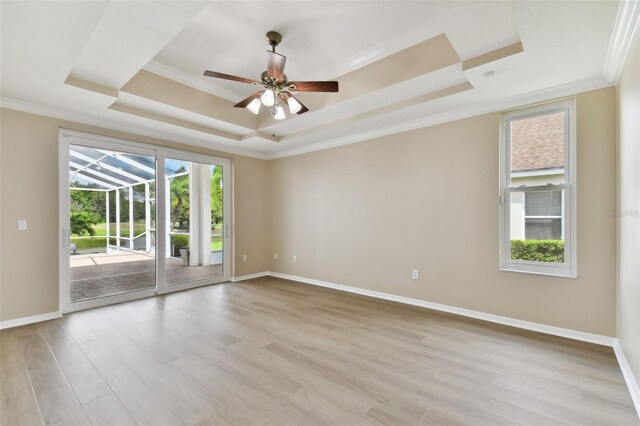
x=544 y=271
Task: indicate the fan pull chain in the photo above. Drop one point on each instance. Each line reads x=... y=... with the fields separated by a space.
x=273 y=132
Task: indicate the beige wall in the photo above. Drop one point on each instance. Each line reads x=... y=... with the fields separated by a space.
x=29 y=190
x=366 y=214
x=629 y=208
x=363 y=215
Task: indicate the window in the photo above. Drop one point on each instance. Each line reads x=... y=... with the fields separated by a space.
x=543 y=215
x=537 y=194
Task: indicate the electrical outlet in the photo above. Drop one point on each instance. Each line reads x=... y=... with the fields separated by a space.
x=275 y=256
x=295 y=259
x=416 y=274
x=244 y=257
x=22 y=225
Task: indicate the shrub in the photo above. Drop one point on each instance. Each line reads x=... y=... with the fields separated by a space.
x=538 y=250
x=178 y=241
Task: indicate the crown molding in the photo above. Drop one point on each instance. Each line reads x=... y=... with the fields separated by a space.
x=623 y=31
x=91 y=120
x=471 y=111
x=380 y=51
x=500 y=105
x=191 y=81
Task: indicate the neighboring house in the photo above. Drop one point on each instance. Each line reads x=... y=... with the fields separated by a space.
x=537 y=158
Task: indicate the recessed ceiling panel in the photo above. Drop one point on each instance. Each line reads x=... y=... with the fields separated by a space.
x=129 y=34
x=323 y=40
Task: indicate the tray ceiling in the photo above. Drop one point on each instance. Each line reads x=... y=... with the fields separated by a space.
x=400 y=65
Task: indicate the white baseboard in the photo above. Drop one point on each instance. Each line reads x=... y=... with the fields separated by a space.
x=29 y=320
x=248 y=277
x=541 y=328
x=632 y=384
x=527 y=325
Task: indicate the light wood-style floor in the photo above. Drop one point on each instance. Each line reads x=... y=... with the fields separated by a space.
x=274 y=352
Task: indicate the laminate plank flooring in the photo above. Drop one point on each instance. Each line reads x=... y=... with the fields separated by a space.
x=276 y=352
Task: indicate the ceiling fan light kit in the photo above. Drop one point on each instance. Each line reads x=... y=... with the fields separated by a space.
x=254 y=106
x=268 y=98
x=277 y=89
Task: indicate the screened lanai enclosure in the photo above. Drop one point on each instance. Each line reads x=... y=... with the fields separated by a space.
x=113 y=242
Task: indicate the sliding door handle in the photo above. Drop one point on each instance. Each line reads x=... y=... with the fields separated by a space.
x=66 y=237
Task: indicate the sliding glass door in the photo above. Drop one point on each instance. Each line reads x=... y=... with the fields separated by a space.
x=137 y=221
x=194 y=217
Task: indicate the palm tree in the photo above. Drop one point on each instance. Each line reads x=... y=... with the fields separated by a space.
x=179 y=192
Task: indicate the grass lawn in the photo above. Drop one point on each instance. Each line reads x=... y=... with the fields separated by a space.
x=101 y=229
x=216 y=243
x=91 y=242
x=139 y=228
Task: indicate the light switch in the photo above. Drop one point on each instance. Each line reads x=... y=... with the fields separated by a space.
x=22 y=225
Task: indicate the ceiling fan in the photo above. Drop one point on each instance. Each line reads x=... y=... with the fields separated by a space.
x=277 y=89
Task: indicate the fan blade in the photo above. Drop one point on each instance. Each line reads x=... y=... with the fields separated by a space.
x=275 y=65
x=243 y=103
x=314 y=86
x=228 y=77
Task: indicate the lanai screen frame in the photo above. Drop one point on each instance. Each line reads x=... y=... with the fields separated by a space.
x=105 y=172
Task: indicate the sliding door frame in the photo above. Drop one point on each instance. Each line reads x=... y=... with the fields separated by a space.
x=72 y=137
x=161 y=223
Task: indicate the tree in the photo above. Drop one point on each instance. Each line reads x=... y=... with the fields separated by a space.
x=93 y=202
x=216 y=196
x=82 y=223
x=87 y=208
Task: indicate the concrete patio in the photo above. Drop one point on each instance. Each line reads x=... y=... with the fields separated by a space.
x=100 y=275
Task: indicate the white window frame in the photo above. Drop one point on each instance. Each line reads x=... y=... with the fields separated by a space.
x=569 y=267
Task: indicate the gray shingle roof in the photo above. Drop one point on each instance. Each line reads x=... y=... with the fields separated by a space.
x=538 y=142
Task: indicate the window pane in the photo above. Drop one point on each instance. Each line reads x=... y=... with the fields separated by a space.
x=543 y=203
x=139 y=218
x=125 y=265
x=216 y=215
x=112 y=214
x=534 y=236
x=537 y=149
x=195 y=217
x=124 y=215
x=543 y=229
